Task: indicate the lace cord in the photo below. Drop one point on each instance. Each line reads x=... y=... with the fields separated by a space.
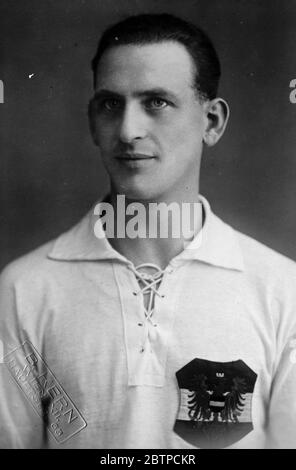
x=148 y=286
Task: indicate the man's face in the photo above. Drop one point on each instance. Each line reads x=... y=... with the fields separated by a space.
x=147 y=120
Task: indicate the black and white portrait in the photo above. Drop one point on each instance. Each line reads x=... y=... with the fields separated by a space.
x=147 y=236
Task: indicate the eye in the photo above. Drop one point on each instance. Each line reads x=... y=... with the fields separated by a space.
x=156 y=103
x=111 y=104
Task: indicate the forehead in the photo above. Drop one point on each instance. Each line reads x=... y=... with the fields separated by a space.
x=167 y=64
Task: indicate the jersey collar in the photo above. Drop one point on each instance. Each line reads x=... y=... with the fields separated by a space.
x=216 y=244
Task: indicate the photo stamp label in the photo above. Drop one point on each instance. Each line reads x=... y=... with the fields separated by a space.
x=44 y=392
x=292 y=355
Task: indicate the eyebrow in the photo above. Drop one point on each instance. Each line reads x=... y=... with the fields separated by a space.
x=153 y=92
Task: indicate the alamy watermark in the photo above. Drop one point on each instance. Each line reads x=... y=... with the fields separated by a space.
x=293 y=92
x=1 y=92
x=151 y=220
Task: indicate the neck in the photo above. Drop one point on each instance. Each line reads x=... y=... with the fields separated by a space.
x=155 y=231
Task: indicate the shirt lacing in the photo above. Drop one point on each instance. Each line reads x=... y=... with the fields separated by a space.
x=148 y=285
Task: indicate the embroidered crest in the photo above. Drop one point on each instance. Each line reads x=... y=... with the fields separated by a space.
x=215 y=405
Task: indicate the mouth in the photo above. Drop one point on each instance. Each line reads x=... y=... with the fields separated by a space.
x=131 y=157
x=135 y=161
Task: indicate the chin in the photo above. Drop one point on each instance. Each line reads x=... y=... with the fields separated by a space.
x=137 y=192
x=134 y=188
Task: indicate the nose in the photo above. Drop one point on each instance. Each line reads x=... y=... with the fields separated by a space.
x=133 y=124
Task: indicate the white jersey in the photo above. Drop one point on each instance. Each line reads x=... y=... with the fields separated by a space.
x=214 y=366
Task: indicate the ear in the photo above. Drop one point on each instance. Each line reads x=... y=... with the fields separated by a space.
x=91 y=120
x=217 y=114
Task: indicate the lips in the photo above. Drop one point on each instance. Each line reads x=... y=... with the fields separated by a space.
x=134 y=156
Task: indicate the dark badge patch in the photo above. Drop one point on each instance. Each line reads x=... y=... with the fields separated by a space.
x=215 y=404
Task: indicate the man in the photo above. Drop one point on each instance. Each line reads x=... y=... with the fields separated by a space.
x=150 y=342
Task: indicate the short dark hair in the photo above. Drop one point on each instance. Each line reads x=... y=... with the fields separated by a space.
x=154 y=28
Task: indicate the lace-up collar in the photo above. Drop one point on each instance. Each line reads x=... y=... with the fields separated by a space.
x=148 y=287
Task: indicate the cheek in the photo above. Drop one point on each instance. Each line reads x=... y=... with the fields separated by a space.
x=104 y=134
x=167 y=132
x=184 y=134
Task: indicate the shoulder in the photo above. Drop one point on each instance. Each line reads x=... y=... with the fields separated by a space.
x=263 y=257
x=28 y=267
x=268 y=269
x=48 y=260
x=52 y=261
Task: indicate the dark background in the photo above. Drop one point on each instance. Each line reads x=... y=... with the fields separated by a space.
x=50 y=172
